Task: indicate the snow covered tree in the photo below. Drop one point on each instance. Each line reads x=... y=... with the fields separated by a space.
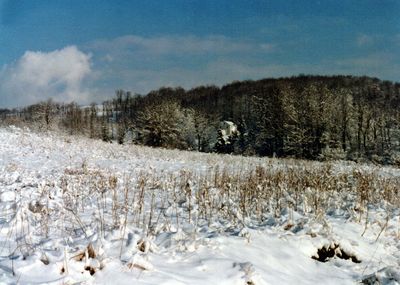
x=227 y=136
x=162 y=125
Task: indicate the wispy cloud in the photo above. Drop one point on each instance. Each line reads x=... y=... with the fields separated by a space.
x=396 y=39
x=39 y=75
x=180 y=44
x=364 y=40
x=378 y=64
x=373 y=60
x=141 y=64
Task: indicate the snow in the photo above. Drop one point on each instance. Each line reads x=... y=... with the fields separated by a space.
x=75 y=210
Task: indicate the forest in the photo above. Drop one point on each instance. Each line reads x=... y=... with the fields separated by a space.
x=308 y=117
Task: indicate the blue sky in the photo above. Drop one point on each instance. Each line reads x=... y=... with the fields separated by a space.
x=84 y=50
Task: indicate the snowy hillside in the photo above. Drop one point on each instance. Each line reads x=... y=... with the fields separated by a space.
x=80 y=211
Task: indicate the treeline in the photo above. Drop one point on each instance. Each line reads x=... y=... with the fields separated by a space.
x=311 y=117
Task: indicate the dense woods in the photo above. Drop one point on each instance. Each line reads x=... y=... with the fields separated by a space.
x=311 y=117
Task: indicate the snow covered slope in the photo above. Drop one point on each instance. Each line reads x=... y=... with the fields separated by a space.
x=80 y=211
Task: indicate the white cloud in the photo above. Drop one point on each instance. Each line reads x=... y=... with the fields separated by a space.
x=39 y=75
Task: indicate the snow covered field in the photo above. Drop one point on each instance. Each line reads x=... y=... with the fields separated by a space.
x=79 y=211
